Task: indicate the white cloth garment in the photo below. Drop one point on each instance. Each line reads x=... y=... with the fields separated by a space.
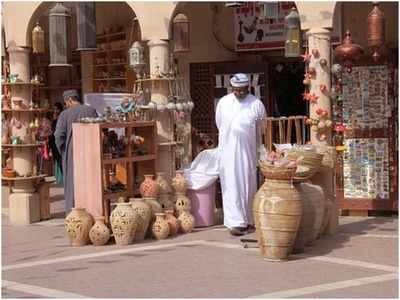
x=237 y=150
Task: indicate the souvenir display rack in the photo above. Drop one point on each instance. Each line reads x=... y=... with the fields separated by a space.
x=367 y=169
x=95 y=167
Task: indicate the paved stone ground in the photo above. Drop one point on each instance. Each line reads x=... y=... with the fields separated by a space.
x=360 y=261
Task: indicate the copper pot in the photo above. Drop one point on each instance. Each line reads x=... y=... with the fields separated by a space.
x=376 y=30
x=348 y=52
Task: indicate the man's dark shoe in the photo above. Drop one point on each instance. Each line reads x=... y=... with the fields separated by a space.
x=251 y=228
x=238 y=231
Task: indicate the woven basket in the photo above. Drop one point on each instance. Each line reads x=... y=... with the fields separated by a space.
x=329 y=156
x=311 y=160
x=277 y=173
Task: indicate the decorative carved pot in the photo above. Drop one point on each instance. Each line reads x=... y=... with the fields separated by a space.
x=160 y=227
x=186 y=221
x=155 y=208
x=182 y=203
x=149 y=187
x=179 y=183
x=172 y=222
x=124 y=223
x=166 y=202
x=165 y=187
x=77 y=226
x=143 y=209
x=99 y=234
x=277 y=211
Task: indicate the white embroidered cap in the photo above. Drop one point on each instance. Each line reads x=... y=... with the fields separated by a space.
x=239 y=80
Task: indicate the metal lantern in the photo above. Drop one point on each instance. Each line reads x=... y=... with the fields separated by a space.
x=376 y=30
x=58 y=35
x=348 y=52
x=86 y=25
x=292 y=34
x=136 y=58
x=37 y=39
x=181 y=33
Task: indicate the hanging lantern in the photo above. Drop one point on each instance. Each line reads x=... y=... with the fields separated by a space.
x=136 y=58
x=376 y=30
x=181 y=33
x=86 y=26
x=37 y=39
x=292 y=34
x=58 y=35
x=348 y=52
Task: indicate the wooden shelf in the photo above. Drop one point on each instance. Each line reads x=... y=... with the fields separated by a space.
x=101 y=36
x=23 y=178
x=21 y=145
x=155 y=79
x=111 y=50
x=128 y=124
x=109 y=79
x=110 y=65
x=61 y=87
x=35 y=110
x=129 y=159
x=115 y=195
x=22 y=84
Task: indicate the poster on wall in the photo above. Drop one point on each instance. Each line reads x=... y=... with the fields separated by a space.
x=260 y=26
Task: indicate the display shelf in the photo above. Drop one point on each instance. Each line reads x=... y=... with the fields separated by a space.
x=110 y=65
x=129 y=159
x=22 y=84
x=34 y=110
x=61 y=87
x=156 y=79
x=111 y=50
x=109 y=79
x=128 y=124
x=19 y=178
x=108 y=35
x=21 y=145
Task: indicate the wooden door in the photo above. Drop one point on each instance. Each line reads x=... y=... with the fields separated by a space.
x=208 y=83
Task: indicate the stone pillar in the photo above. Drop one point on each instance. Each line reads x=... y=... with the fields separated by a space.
x=319 y=38
x=159 y=87
x=23 y=200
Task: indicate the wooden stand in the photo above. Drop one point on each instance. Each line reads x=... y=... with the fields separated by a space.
x=92 y=169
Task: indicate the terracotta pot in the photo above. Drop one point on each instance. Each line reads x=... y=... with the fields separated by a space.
x=165 y=187
x=277 y=211
x=5 y=139
x=149 y=187
x=172 y=222
x=160 y=227
x=182 y=203
x=155 y=208
x=328 y=206
x=186 y=221
x=77 y=226
x=179 y=183
x=124 y=223
x=166 y=202
x=143 y=209
x=99 y=234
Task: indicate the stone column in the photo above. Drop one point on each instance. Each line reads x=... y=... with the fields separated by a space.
x=159 y=87
x=319 y=39
x=24 y=201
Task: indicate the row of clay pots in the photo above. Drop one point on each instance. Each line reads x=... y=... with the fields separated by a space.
x=130 y=222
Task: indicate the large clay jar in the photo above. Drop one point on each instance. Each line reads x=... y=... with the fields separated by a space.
x=166 y=202
x=186 y=220
x=179 y=183
x=155 y=208
x=277 y=211
x=165 y=187
x=149 y=187
x=160 y=227
x=143 y=209
x=172 y=222
x=77 y=226
x=182 y=203
x=124 y=223
x=99 y=234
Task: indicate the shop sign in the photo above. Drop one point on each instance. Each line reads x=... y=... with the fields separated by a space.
x=255 y=32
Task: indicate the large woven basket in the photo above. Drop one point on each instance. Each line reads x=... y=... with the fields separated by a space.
x=312 y=160
x=277 y=172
